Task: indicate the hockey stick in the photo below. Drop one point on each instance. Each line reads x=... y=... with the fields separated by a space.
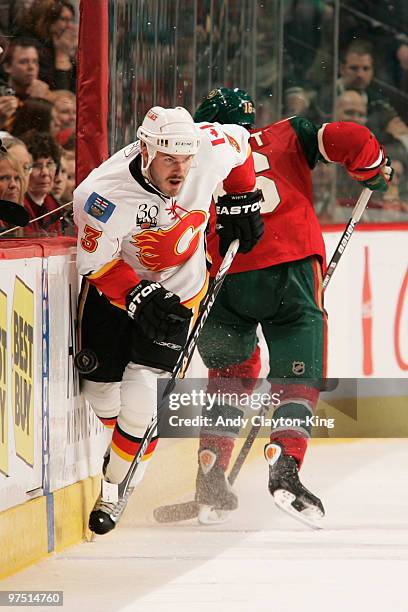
x=22 y=216
x=350 y=227
x=185 y=511
x=113 y=492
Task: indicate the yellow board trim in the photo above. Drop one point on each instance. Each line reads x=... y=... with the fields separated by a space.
x=23 y=536
x=72 y=506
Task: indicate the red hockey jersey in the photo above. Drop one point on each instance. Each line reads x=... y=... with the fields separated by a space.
x=284 y=154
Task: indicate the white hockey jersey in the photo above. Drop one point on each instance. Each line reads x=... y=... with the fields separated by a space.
x=120 y=216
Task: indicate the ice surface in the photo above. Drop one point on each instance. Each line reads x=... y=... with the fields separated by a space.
x=261 y=559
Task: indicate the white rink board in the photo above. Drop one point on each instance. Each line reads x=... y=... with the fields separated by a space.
x=344 y=302
x=387 y=271
x=77 y=438
x=20 y=381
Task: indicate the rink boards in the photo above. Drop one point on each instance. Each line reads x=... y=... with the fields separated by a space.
x=50 y=442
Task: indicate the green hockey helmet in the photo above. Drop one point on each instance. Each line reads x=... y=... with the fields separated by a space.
x=227 y=106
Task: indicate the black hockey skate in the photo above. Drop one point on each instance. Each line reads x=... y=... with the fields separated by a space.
x=214 y=494
x=106 y=514
x=288 y=492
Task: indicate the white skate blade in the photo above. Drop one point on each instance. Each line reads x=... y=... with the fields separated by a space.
x=310 y=516
x=208 y=515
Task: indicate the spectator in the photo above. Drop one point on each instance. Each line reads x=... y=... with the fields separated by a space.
x=300 y=101
x=65 y=105
x=60 y=179
x=13 y=183
x=67 y=196
x=385 y=25
x=65 y=108
x=351 y=106
x=58 y=189
x=51 y=23
x=357 y=73
x=18 y=149
x=38 y=198
x=384 y=121
x=357 y=66
x=36 y=114
x=21 y=66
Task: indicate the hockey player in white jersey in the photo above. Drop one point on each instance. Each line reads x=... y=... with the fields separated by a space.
x=141 y=220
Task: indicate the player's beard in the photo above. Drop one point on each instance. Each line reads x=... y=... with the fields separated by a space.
x=165 y=186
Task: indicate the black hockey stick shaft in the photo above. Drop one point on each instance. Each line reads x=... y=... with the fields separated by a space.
x=246 y=447
x=181 y=365
x=23 y=219
x=345 y=238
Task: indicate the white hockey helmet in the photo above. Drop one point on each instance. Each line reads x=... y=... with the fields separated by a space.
x=168 y=130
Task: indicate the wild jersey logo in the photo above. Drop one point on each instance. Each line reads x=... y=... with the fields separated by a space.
x=163 y=249
x=272 y=453
x=207 y=460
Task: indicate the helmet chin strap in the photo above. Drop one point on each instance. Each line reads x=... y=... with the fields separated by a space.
x=151 y=154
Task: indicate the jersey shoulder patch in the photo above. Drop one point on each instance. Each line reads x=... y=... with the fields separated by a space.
x=99 y=207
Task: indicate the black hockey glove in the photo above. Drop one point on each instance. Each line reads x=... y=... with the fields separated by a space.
x=239 y=216
x=157 y=311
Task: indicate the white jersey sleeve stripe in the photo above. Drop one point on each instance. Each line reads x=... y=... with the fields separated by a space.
x=376 y=163
x=320 y=143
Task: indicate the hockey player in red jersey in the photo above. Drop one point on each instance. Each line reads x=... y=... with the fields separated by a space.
x=141 y=220
x=279 y=286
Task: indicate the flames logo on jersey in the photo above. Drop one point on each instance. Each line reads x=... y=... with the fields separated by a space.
x=166 y=248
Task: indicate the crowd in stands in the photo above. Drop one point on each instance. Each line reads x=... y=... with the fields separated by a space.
x=38 y=43
x=371 y=89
